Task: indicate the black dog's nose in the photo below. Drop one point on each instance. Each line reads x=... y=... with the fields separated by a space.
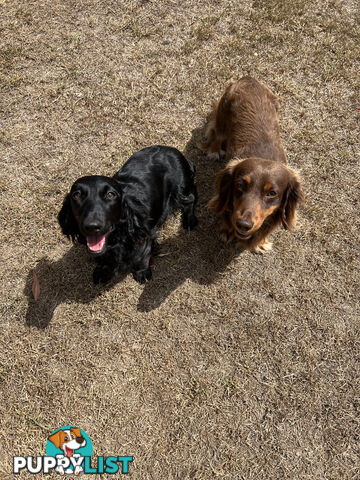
x=92 y=226
x=244 y=224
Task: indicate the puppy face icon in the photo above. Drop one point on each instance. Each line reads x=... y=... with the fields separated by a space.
x=68 y=440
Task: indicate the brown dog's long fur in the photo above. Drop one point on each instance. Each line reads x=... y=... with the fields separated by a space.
x=246 y=119
x=245 y=123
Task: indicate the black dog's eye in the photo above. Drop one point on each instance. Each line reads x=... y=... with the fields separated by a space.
x=110 y=195
x=76 y=195
x=271 y=194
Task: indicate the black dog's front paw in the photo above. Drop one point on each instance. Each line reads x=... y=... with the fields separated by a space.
x=102 y=275
x=142 y=276
x=189 y=222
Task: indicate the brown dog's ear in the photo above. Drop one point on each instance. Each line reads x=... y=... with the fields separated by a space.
x=57 y=438
x=293 y=197
x=222 y=200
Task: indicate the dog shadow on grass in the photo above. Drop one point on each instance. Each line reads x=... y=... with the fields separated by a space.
x=61 y=281
x=198 y=255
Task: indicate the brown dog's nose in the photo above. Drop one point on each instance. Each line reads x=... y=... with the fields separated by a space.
x=80 y=439
x=244 y=224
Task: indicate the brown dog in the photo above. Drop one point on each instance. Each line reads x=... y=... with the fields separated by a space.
x=256 y=191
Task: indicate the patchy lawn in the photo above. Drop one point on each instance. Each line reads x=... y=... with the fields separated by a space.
x=225 y=365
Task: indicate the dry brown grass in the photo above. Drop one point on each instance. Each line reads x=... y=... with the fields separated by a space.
x=224 y=366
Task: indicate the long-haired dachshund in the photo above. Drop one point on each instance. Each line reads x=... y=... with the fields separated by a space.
x=118 y=218
x=256 y=191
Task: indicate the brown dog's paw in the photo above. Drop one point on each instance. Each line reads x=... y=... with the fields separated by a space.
x=225 y=236
x=263 y=247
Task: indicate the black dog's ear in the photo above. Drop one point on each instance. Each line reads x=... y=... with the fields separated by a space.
x=67 y=220
x=127 y=216
x=293 y=197
x=135 y=218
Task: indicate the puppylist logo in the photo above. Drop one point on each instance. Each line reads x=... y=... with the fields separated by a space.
x=68 y=452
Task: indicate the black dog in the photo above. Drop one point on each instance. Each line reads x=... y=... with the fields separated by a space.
x=118 y=218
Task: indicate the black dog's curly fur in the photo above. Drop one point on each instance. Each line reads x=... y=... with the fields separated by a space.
x=118 y=217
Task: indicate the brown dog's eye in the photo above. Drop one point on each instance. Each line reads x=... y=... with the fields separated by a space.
x=271 y=194
x=110 y=195
x=76 y=195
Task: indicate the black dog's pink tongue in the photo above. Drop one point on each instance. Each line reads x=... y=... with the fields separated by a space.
x=95 y=243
